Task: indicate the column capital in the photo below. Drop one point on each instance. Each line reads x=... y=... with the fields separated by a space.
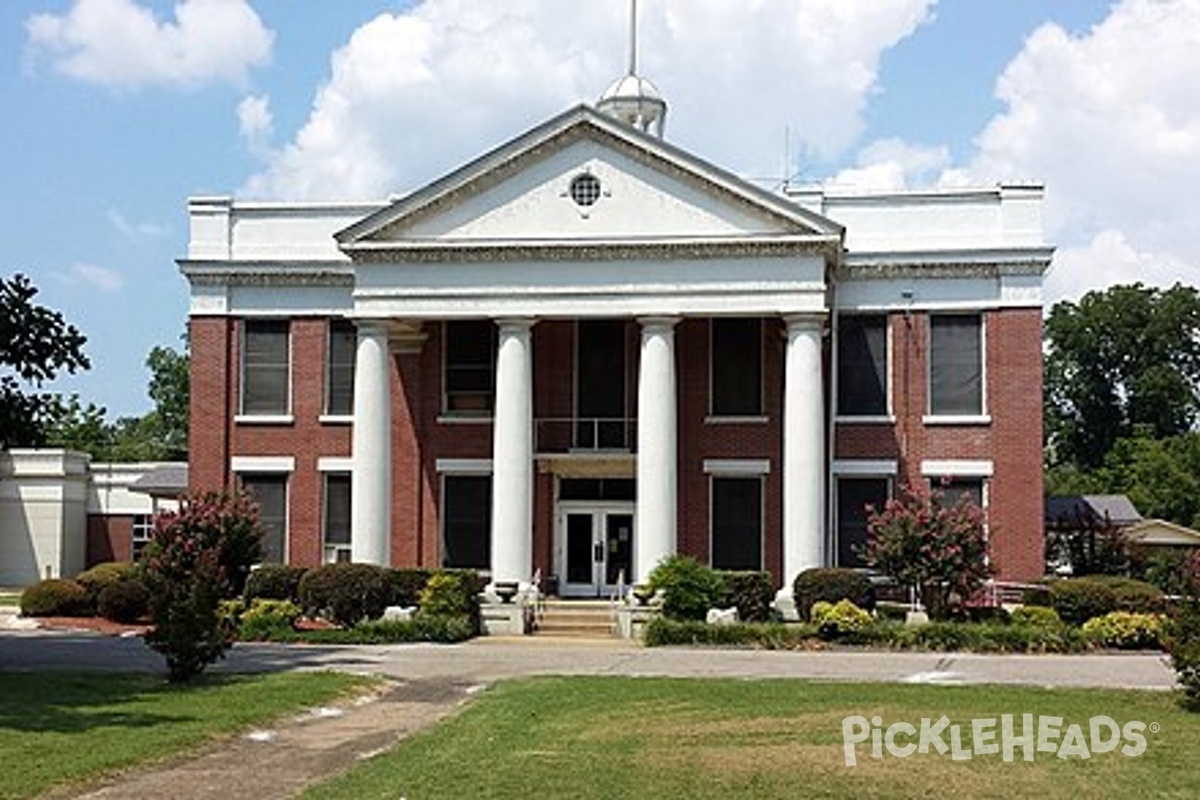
x=515 y=324
x=804 y=322
x=658 y=323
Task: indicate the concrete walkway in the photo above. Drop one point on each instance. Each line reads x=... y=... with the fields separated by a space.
x=426 y=682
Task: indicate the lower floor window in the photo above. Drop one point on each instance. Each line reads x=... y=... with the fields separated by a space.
x=337 y=518
x=957 y=490
x=737 y=523
x=466 y=521
x=854 y=497
x=270 y=492
x=143 y=530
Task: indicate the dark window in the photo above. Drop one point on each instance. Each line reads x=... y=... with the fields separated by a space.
x=596 y=489
x=265 y=367
x=339 y=375
x=600 y=385
x=862 y=366
x=737 y=523
x=954 y=490
x=470 y=367
x=466 y=521
x=737 y=367
x=854 y=495
x=955 y=364
x=337 y=517
x=270 y=491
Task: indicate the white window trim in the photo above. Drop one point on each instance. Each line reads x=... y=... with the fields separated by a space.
x=866 y=468
x=957 y=419
x=762 y=514
x=264 y=419
x=737 y=468
x=335 y=464
x=336 y=419
x=464 y=466
x=255 y=465
x=761 y=416
x=957 y=468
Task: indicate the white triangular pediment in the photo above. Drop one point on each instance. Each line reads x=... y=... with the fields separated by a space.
x=641 y=189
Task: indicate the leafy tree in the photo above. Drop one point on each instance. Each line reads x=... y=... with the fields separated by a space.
x=1125 y=357
x=36 y=345
x=197 y=557
x=940 y=550
x=1161 y=476
x=1087 y=544
x=72 y=425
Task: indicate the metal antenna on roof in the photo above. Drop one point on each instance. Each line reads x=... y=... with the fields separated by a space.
x=633 y=16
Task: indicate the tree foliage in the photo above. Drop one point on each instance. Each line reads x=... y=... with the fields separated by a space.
x=924 y=543
x=1123 y=359
x=36 y=345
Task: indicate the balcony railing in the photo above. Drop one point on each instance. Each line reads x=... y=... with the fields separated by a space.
x=585 y=435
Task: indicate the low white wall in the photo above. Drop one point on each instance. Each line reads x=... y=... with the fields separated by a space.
x=43 y=514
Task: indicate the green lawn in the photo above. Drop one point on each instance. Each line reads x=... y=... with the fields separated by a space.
x=10 y=597
x=667 y=738
x=59 y=728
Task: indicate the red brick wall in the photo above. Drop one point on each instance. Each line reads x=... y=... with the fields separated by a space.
x=1012 y=440
x=109 y=538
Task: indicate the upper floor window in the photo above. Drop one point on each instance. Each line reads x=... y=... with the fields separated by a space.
x=470 y=377
x=265 y=367
x=736 y=367
x=862 y=358
x=956 y=365
x=339 y=371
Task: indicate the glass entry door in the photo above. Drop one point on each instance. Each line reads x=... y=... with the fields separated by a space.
x=596 y=549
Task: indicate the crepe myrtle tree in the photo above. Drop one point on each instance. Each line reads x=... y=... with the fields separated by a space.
x=938 y=549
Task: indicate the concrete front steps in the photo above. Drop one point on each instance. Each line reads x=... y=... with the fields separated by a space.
x=576 y=619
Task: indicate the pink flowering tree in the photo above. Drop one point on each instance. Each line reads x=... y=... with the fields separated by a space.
x=940 y=550
x=197 y=557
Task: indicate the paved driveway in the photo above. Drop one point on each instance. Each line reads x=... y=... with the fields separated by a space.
x=492 y=658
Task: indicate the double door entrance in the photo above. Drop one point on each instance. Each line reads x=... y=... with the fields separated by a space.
x=595 y=549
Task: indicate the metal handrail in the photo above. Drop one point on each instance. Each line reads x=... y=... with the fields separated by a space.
x=594 y=434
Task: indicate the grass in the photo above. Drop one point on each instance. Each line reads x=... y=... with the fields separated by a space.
x=59 y=728
x=10 y=597
x=651 y=737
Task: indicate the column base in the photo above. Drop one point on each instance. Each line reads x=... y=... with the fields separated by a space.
x=785 y=605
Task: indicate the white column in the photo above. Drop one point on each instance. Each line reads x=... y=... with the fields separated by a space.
x=803 y=451
x=371 y=485
x=657 y=433
x=512 y=455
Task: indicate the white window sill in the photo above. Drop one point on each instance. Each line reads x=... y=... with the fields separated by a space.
x=456 y=419
x=748 y=420
x=865 y=419
x=264 y=419
x=336 y=419
x=957 y=419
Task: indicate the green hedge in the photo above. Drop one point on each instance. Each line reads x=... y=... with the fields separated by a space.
x=1079 y=599
x=751 y=592
x=55 y=597
x=275 y=582
x=99 y=577
x=345 y=593
x=831 y=585
x=444 y=630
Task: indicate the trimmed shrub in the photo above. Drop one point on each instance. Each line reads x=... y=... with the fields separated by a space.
x=831 y=585
x=55 y=597
x=345 y=593
x=1079 y=599
x=407 y=584
x=1183 y=643
x=1138 y=597
x=124 y=601
x=1036 y=617
x=689 y=588
x=836 y=620
x=449 y=594
x=1126 y=630
x=265 y=619
x=751 y=592
x=661 y=632
x=275 y=582
x=97 y=578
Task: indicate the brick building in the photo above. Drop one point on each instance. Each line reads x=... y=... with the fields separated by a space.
x=588 y=349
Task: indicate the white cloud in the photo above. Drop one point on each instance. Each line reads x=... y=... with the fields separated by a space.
x=93 y=276
x=1110 y=120
x=256 y=123
x=890 y=164
x=414 y=94
x=122 y=44
x=136 y=232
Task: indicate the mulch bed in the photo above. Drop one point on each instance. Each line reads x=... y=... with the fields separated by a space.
x=94 y=624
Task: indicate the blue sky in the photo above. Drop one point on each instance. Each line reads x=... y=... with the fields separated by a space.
x=121 y=109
